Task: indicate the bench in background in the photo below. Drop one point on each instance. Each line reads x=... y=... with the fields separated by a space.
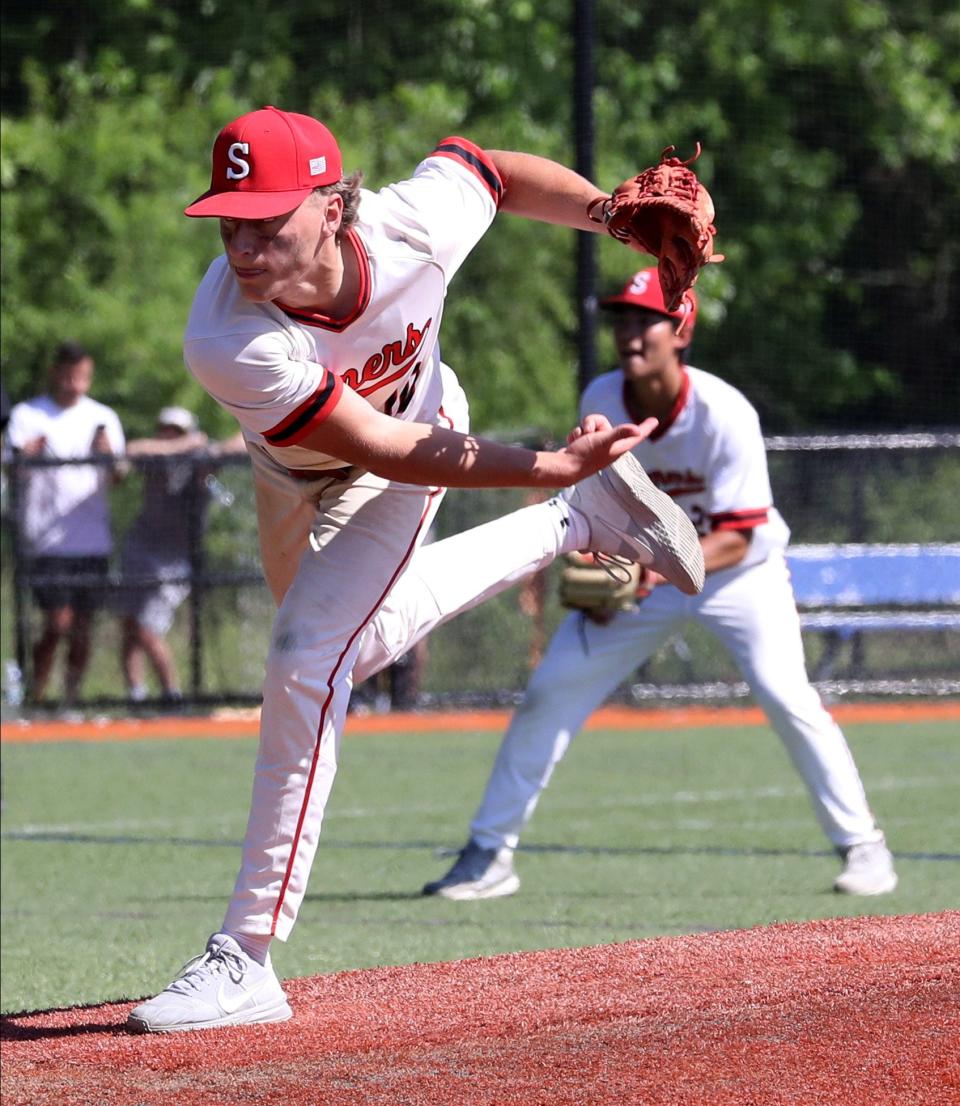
x=847 y=590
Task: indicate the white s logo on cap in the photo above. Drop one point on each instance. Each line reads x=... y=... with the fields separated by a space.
x=639 y=283
x=242 y=165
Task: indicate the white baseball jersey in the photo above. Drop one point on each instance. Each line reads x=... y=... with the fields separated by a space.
x=708 y=455
x=65 y=512
x=281 y=370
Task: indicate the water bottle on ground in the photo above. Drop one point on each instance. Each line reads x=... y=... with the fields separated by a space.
x=12 y=683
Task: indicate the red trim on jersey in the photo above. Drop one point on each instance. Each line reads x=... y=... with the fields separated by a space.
x=310 y=413
x=327 y=322
x=739 y=520
x=478 y=161
x=678 y=405
x=326 y=705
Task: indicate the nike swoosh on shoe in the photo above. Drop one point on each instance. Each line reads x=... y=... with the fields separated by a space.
x=230 y=1004
x=636 y=550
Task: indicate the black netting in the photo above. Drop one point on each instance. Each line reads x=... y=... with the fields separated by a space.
x=194 y=555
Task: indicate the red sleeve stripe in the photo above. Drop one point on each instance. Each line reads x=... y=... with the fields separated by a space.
x=309 y=414
x=739 y=520
x=478 y=162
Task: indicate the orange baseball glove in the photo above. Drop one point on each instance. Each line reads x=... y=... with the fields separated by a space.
x=665 y=212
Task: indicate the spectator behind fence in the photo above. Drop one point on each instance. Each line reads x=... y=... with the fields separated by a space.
x=156 y=558
x=63 y=515
x=158 y=552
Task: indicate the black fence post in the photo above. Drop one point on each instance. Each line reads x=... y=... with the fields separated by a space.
x=584 y=33
x=21 y=625
x=197 y=581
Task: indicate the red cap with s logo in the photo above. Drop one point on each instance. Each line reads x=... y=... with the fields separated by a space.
x=266 y=163
x=643 y=291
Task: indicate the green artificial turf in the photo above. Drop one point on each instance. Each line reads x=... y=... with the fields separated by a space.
x=118 y=859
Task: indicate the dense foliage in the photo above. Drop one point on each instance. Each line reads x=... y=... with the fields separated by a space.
x=831 y=135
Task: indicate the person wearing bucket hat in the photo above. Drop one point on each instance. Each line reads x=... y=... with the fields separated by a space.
x=708 y=454
x=317 y=329
x=155 y=560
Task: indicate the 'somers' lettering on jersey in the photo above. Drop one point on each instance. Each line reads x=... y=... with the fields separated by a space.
x=708 y=455
x=281 y=370
x=395 y=358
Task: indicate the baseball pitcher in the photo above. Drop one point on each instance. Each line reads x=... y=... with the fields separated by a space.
x=317 y=329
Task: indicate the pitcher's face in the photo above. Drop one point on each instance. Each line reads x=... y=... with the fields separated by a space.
x=272 y=257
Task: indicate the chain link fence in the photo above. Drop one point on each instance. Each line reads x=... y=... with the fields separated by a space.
x=195 y=571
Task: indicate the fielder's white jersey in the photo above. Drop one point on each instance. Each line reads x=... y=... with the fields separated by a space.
x=708 y=455
x=281 y=370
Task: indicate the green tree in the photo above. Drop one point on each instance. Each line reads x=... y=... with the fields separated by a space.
x=96 y=247
x=832 y=140
x=831 y=137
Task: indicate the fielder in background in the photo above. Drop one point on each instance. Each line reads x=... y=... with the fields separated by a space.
x=63 y=511
x=317 y=329
x=708 y=454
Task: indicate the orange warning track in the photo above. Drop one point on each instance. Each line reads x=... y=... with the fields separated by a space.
x=843 y=1012
x=132 y=729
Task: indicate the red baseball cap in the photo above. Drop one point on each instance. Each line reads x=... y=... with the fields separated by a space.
x=266 y=163
x=643 y=290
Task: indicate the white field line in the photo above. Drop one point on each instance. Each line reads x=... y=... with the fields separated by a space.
x=121 y=827
x=197 y=828
x=750 y=794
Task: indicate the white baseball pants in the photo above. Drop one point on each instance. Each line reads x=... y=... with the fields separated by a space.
x=341 y=557
x=753 y=613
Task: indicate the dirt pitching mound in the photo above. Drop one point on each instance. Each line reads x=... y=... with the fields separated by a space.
x=845 y=1012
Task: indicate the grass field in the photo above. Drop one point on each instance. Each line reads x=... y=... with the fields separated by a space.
x=118 y=858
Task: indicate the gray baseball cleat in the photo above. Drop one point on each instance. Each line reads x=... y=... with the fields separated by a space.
x=477 y=874
x=630 y=517
x=867 y=870
x=222 y=987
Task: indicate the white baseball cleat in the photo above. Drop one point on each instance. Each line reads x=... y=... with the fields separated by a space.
x=630 y=517
x=222 y=987
x=867 y=870
x=477 y=874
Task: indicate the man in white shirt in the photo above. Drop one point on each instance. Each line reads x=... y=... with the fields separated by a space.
x=317 y=329
x=64 y=515
x=707 y=453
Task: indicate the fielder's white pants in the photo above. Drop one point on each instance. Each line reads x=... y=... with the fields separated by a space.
x=355 y=592
x=753 y=613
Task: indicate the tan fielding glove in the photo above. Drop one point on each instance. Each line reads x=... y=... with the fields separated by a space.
x=587 y=585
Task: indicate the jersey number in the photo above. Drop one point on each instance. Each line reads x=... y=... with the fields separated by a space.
x=699 y=518
x=400 y=400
